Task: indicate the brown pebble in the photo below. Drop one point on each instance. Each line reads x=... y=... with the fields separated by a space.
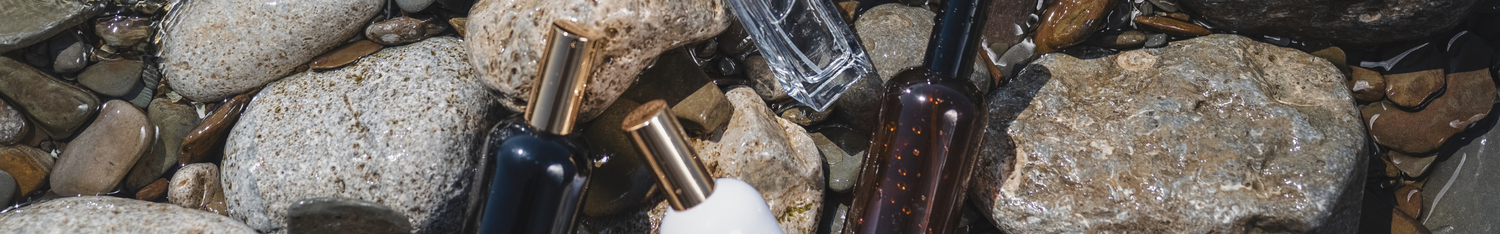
x=847 y=10
x=1412 y=165
x=1367 y=85
x=1335 y=56
x=1069 y=22
x=1409 y=90
x=461 y=25
x=1468 y=99
x=1170 y=26
x=1402 y=223
x=1175 y=15
x=402 y=30
x=155 y=190
x=29 y=166
x=208 y=138
x=1409 y=199
x=344 y=55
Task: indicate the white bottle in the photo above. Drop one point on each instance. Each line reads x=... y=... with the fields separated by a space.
x=700 y=204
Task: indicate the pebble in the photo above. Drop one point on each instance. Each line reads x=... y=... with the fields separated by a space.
x=112 y=78
x=1409 y=199
x=506 y=39
x=173 y=122
x=397 y=128
x=1069 y=22
x=29 y=166
x=1165 y=5
x=206 y=61
x=1468 y=99
x=804 y=115
x=843 y=169
x=124 y=33
x=705 y=111
x=72 y=59
x=1007 y=22
x=1143 y=8
x=207 y=139
x=95 y=161
x=402 y=30
x=895 y=36
x=141 y=96
x=1060 y=120
x=735 y=41
x=1402 y=223
x=195 y=186
x=460 y=24
x=58 y=107
x=30 y=21
x=1410 y=90
x=706 y=50
x=8 y=188
x=764 y=80
x=1127 y=39
x=13 y=125
x=344 y=55
x=343 y=215
x=773 y=155
x=1334 y=55
x=1363 y=23
x=1458 y=194
x=1366 y=85
x=632 y=183
x=674 y=77
x=1176 y=15
x=413 y=5
x=1412 y=165
x=105 y=214
x=1170 y=26
x=1156 y=40
x=858 y=104
x=154 y=191
x=725 y=67
x=847 y=10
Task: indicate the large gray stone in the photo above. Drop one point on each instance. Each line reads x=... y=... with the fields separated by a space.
x=30 y=21
x=1214 y=134
x=103 y=214
x=507 y=38
x=399 y=128
x=1459 y=196
x=215 y=49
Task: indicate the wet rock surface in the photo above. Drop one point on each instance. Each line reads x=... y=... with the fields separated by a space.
x=196 y=186
x=895 y=36
x=402 y=30
x=505 y=38
x=342 y=215
x=13 y=125
x=1069 y=22
x=1213 y=134
x=29 y=21
x=58 y=107
x=344 y=55
x=396 y=128
x=1458 y=196
x=112 y=78
x=95 y=161
x=173 y=122
x=29 y=166
x=206 y=61
x=1345 y=21
x=206 y=141
x=102 y=214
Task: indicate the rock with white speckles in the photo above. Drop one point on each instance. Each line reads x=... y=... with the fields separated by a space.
x=397 y=128
x=104 y=214
x=1214 y=134
x=216 y=49
x=506 y=37
x=772 y=154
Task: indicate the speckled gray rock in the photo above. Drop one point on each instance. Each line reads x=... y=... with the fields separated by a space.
x=506 y=38
x=1214 y=134
x=95 y=161
x=58 y=107
x=774 y=155
x=895 y=35
x=194 y=186
x=215 y=49
x=30 y=21
x=398 y=128
x=103 y=214
x=173 y=121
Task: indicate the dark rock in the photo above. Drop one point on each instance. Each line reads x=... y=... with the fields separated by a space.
x=8 y=188
x=72 y=59
x=705 y=111
x=124 y=33
x=1155 y=40
x=859 y=103
x=173 y=122
x=1087 y=52
x=725 y=67
x=344 y=55
x=622 y=181
x=29 y=166
x=1069 y=22
x=154 y=191
x=343 y=215
x=1211 y=134
x=112 y=78
x=674 y=77
x=58 y=107
x=1007 y=22
x=13 y=125
x=402 y=30
x=1165 y=5
x=30 y=21
x=207 y=140
x=735 y=41
x=1342 y=21
x=1366 y=85
x=1170 y=26
x=764 y=81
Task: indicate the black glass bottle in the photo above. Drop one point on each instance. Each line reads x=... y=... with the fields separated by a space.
x=931 y=124
x=538 y=174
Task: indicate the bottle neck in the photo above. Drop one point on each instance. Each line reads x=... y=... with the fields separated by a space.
x=566 y=64
x=955 y=38
x=662 y=142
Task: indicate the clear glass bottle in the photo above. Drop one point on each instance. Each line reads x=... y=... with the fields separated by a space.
x=810 y=49
x=931 y=124
x=538 y=174
x=700 y=204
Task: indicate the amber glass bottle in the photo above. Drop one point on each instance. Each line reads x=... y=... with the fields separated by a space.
x=931 y=124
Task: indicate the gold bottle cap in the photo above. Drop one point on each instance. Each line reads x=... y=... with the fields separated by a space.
x=661 y=141
x=566 y=64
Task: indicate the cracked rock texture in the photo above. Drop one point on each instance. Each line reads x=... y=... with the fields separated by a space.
x=104 y=214
x=399 y=128
x=506 y=38
x=215 y=49
x=1218 y=134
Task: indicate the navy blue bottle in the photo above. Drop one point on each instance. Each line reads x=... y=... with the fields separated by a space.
x=538 y=173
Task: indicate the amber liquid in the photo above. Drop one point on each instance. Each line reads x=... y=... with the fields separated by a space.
x=921 y=156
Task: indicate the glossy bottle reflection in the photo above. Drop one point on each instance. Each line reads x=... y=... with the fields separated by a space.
x=538 y=174
x=931 y=124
